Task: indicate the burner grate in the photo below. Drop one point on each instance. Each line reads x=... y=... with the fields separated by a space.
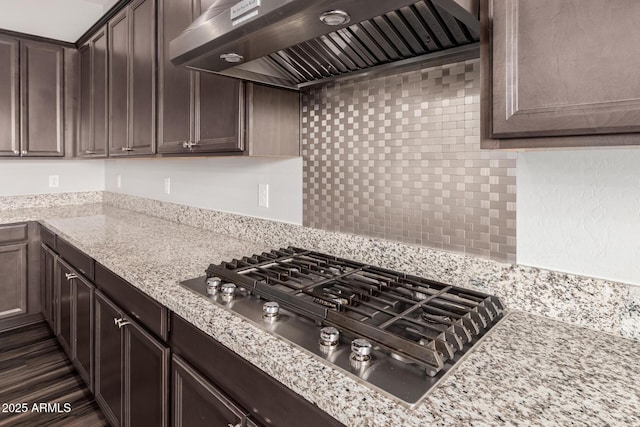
x=421 y=320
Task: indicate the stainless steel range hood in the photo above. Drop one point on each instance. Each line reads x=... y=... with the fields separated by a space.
x=286 y=43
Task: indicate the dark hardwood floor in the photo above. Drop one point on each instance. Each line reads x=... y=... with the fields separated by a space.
x=35 y=371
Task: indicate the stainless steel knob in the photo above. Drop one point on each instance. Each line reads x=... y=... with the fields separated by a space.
x=329 y=336
x=213 y=285
x=70 y=276
x=361 y=349
x=270 y=310
x=228 y=289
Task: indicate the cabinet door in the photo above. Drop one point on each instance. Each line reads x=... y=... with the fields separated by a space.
x=118 y=84
x=197 y=403
x=100 y=95
x=9 y=92
x=273 y=121
x=13 y=282
x=146 y=378
x=42 y=99
x=47 y=272
x=142 y=99
x=546 y=80
x=64 y=283
x=108 y=359
x=175 y=84
x=83 y=329
x=219 y=121
x=85 y=134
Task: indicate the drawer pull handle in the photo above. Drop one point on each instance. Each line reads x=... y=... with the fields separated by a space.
x=190 y=145
x=121 y=322
x=70 y=276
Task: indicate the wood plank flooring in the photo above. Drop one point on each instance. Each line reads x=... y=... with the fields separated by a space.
x=35 y=370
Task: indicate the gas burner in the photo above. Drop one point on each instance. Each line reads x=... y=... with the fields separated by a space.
x=398 y=332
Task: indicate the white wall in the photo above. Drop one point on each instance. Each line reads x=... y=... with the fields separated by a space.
x=227 y=184
x=18 y=177
x=578 y=211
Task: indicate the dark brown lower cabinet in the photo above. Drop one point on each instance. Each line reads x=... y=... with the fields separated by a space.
x=75 y=313
x=47 y=279
x=131 y=369
x=19 y=278
x=108 y=360
x=13 y=285
x=83 y=329
x=146 y=380
x=197 y=403
x=64 y=298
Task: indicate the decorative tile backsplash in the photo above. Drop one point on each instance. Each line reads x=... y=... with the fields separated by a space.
x=398 y=157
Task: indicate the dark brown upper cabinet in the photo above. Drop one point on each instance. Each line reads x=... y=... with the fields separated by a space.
x=9 y=97
x=42 y=99
x=132 y=82
x=93 y=123
x=32 y=98
x=198 y=112
x=202 y=113
x=559 y=73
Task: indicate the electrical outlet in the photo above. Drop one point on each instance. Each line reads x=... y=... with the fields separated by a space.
x=118 y=181
x=167 y=186
x=54 y=181
x=263 y=195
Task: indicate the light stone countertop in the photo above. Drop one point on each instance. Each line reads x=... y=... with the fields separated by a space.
x=529 y=370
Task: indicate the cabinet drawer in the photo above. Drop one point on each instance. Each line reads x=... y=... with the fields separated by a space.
x=13 y=233
x=78 y=260
x=197 y=402
x=270 y=402
x=134 y=302
x=48 y=238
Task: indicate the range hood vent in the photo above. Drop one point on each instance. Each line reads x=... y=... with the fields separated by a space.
x=285 y=43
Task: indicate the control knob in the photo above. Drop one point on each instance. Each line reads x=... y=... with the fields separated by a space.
x=361 y=350
x=270 y=311
x=228 y=291
x=329 y=336
x=213 y=285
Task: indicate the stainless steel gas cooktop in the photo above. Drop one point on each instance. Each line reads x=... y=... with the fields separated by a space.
x=396 y=332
